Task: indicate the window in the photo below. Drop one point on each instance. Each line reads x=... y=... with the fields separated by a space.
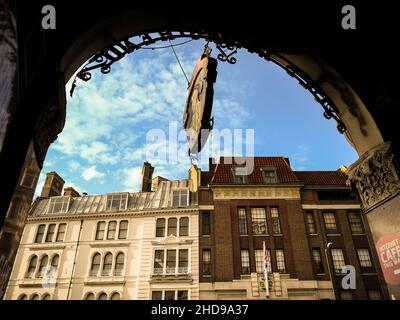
x=94 y=269
x=158 y=262
x=242 y=221
x=180 y=197
x=101 y=227
x=46 y=296
x=374 y=295
x=269 y=175
x=171 y=261
x=259 y=221
x=206 y=262
x=280 y=261
x=244 y=254
x=338 y=260
x=119 y=264
x=89 y=296
x=43 y=266
x=182 y=295
x=355 y=223
x=156 y=295
x=29 y=178
x=123 y=229
x=259 y=255
x=107 y=264
x=330 y=222
x=276 y=225
x=240 y=174
x=54 y=263
x=169 y=295
x=23 y=297
x=115 y=296
x=59 y=204
x=172 y=223
x=40 y=233
x=310 y=223
x=160 y=227
x=183 y=261
x=364 y=258
x=346 y=295
x=31 y=267
x=61 y=232
x=206 y=223
x=112 y=228
x=183 y=226
x=50 y=233
x=102 y=296
x=117 y=202
x=316 y=254
x=35 y=297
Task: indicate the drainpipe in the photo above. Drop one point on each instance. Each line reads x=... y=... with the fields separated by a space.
x=73 y=265
x=328 y=261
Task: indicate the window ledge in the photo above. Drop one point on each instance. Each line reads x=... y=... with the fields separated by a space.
x=104 y=280
x=47 y=246
x=333 y=234
x=109 y=243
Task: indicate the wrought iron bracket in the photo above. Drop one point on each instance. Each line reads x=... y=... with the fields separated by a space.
x=227 y=48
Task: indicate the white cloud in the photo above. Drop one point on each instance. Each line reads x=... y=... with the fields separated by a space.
x=91 y=173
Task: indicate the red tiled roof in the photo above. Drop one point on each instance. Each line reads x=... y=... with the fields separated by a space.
x=205 y=177
x=331 y=178
x=223 y=171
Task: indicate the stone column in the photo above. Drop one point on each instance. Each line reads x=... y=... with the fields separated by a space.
x=376 y=178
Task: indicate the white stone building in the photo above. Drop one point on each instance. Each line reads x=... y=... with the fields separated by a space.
x=116 y=246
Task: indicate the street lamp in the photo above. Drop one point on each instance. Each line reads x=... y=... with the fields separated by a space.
x=328 y=261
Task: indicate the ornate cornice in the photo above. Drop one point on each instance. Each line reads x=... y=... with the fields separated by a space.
x=375 y=176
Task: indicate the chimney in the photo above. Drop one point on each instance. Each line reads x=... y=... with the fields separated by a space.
x=156 y=182
x=53 y=185
x=71 y=192
x=147 y=175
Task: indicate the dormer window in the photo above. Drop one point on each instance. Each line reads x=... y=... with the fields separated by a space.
x=240 y=174
x=117 y=202
x=59 y=204
x=180 y=197
x=269 y=174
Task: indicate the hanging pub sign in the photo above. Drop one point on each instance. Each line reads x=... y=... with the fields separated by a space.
x=197 y=120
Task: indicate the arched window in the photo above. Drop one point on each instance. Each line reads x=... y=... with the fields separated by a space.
x=115 y=296
x=43 y=265
x=46 y=296
x=89 y=296
x=23 y=297
x=172 y=222
x=183 y=226
x=54 y=262
x=31 y=267
x=160 y=227
x=102 y=296
x=35 y=296
x=119 y=264
x=94 y=269
x=107 y=264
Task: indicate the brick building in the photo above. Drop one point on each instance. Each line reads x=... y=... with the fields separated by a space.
x=296 y=214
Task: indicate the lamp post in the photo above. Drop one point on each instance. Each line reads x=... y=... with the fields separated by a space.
x=328 y=261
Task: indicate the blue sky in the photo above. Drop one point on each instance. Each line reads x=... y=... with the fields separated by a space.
x=103 y=144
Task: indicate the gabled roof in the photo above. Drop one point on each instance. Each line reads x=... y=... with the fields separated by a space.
x=223 y=172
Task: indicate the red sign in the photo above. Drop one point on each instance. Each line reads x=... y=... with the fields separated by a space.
x=388 y=249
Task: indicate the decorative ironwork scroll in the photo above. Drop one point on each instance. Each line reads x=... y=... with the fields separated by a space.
x=227 y=48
